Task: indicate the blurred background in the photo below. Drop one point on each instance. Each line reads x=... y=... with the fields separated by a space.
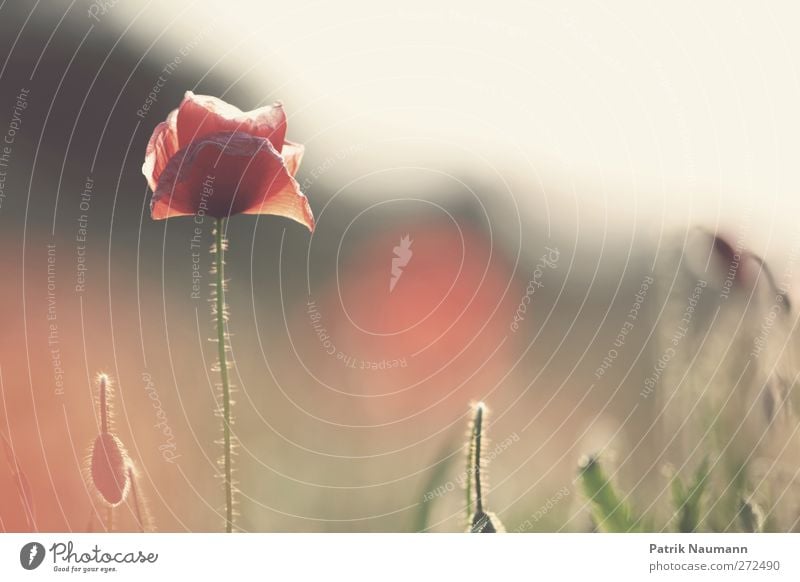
x=566 y=172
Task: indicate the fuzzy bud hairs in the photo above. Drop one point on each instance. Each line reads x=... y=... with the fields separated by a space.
x=108 y=472
x=481 y=521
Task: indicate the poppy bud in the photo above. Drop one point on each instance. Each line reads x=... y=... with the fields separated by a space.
x=108 y=471
x=109 y=474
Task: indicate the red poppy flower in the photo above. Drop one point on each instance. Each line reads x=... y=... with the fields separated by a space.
x=213 y=158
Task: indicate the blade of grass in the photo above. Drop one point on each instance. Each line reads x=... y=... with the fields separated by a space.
x=436 y=478
x=609 y=513
x=688 y=501
x=751 y=517
x=23 y=485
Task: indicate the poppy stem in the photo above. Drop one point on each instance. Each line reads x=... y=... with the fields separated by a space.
x=103 y=379
x=136 y=503
x=219 y=243
x=476 y=459
x=470 y=453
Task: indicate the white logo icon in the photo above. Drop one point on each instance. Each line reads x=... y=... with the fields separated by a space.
x=402 y=255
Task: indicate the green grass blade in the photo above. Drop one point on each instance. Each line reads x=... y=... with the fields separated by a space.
x=609 y=513
x=751 y=517
x=437 y=477
x=688 y=501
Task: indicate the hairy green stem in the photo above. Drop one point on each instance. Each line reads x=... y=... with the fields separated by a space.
x=223 y=369
x=477 y=458
x=470 y=452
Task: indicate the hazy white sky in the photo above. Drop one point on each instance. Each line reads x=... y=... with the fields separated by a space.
x=623 y=113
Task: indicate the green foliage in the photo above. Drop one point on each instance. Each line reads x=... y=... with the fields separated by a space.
x=694 y=507
x=437 y=477
x=478 y=520
x=609 y=512
x=688 y=500
x=751 y=518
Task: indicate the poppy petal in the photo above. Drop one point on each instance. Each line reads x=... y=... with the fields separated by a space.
x=202 y=115
x=162 y=146
x=229 y=173
x=292 y=156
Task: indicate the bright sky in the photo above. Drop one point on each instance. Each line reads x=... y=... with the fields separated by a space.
x=619 y=113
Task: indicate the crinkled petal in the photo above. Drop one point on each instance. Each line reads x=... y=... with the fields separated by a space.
x=162 y=146
x=202 y=115
x=229 y=173
x=292 y=156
